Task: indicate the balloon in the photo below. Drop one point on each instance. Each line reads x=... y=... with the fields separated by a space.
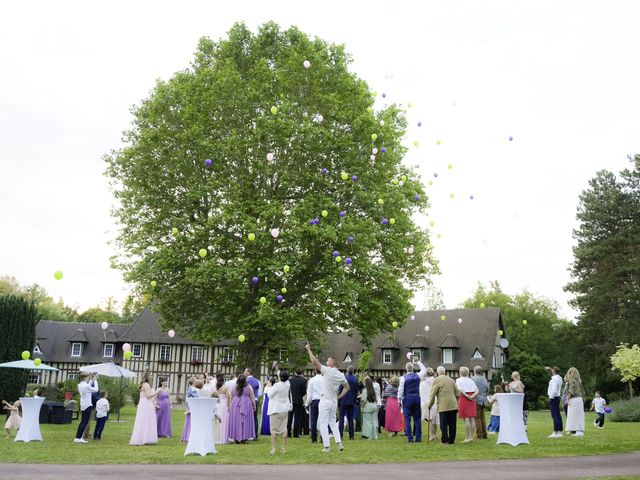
x=344 y=175
x=348 y=261
x=482 y=305
x=354 y=177
x=275 y=232
x=450 y=166
x=443 y=318
x=500 y=333
x=128 y=354
x=207 y=163
x=324 y=171
x=404 y=178
x=380 y=201
x=426 y=328
x=409 y=355
x=382 y=123
x=104 y=325
x=470 y=197
x=274 y=110
x=383 y=149
x=416 y=198
x=37 y=362
x=284 y=290
x=374 y=151
x=372 y=157
x=57 y=275
x=335 y=253
x=511 y=139
x=338 y=259
x=413 y=317
x=435 y=175
x=318 y=118
x=263 y=300
x=343 y=213
x=394 y=324
x=452 y=196
x=241 y=338
x=430 y=182
x=410 y=250
x=384 y=95
x=419 y=124
x=202 y=252
x=524 y=322
x=394 y=181
x=432 y=223
x=306 y=64
x=439 y=235
x=171 y=333
x=415 y=143
x=270 y=157
x=374 y=136
x=286 y=269
x=255 y=280
x=252 y=237
x=126 y=347
x=409 y=105
x=174 y=230
x=25 y=355
x=279 y=298
x=392 y=221
x=459 y=320
x=153 y=284
x=384 y=221
x=324 y=213
x=606 y=409
x=401 y=183
x=438 y=142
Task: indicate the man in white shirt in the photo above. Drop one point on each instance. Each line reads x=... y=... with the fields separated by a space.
x=554 y=393
x=314 y=389
x=332 y=379
x=85 y=389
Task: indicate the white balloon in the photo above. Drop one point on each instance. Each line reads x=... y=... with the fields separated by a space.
x=374 y=151
x=382 y=123
x=459 y=320
x=126 y=347
x=270 y=156
x=171 y=333
x=413 y=317
x=426 y=328
x=306 y=64
x=104 y=325
x=409 y=355
x=372 y=157
x=275 y=232
x=410 y=250
x=400 y=183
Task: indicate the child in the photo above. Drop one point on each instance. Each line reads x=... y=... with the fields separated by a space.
x=15 y=419
x=102 y=414
x=494 y=424
x=598 y=403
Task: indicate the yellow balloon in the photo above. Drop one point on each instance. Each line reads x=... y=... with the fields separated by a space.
x=286 y=268
x=443 y=318
x=154 y=284
x=252 y=237
x=338 y=259
x=438 y=142
x=174 y=230
x=203 y=252
x=274 y=110
x=325 y=213
x=344 y=175
x=263 y=300
x=500 y=332
x=395 y=181
x=374 y=136
x=392 y=221
x=404 y=178
x=394 y=324
x=241 y=338
x=37 y=362
x=284 y=290
x=380 y=201
x=450 y=166
x=57 y=275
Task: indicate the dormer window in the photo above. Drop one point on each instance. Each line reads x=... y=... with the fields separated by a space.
x=447 y=355
x=347 y=358
x=36 y=349
x=108 y=350
x=386 y=356
x=477 y=355
x=76 y=349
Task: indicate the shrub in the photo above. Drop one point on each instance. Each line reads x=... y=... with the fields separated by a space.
x=626 y=410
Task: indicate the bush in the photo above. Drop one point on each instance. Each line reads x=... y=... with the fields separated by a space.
x=116 y=394
x=625 y=410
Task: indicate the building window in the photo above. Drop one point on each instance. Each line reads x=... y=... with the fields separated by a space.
x=136 y=350
x=197 y=354
x=386 y=356
x=283 y=356
x=108 y=350
x=477 y=355
x=447 y=355
x=416 y=353
x=347 y=359
x=228 y=355
x=34 y=378
x=494 y=362
x=72 y=376
x=165 y=352
x=36 y=349
x=76 y=349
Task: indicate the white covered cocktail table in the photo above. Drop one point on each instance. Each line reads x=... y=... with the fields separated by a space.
x=511 y=421
x=30 y=425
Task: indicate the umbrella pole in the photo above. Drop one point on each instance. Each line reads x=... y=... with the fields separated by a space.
x=120 y=399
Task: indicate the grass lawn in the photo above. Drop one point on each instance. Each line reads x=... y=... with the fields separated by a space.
x=58 y=446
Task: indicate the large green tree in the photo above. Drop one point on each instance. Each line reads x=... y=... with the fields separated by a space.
x=18 y=319
x=606 y=268
x=299 y=158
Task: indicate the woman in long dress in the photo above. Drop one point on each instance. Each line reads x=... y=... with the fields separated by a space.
x=466 y=403
x=222 y=416
x=432 y=415
x=369 y=410
x=163 y=412
x=392 y=419
x=145 y=429
x=241 y=426
x=265 y=428
x=516 y=386
x=575 y=396
x=192 y=392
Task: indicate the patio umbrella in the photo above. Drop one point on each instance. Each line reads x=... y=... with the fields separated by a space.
x=28 y=365
x=110 y=369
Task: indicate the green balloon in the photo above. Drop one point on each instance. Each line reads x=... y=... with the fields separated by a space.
x=325 y=213
x=500 y=332
x=338 y=259
x=374 y=136
x=394 y=324
x=395 y=181
x=392 y=221
x=37 y=362
x=263 y=300
x=26 y=355
x=242 y=338
x=154 y=284
x=252 y=237
x=404 y=178
x=274 y=110
x=174 y=230
x=57 y=275
x=380 y=201
x=202 y=252
x=286 y=268
x=524 y=322
x=344 y=175
x=127 y=355
x=482 y=305
x=443 y=318
x=284 y=290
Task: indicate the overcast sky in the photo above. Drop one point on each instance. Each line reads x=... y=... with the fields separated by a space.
x=561 y=78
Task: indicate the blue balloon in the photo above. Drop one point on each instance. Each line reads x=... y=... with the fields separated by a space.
x=416 y=198
x=383 y=149
x=350 y=239
x=384 y=221
x=343 y=213
x=280 y=298
x=335 y=253
x=324 y=171
x=255 y=280
x=348 y=260
x=354 y=178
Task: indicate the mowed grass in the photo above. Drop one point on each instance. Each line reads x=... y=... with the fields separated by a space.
x=58 y=446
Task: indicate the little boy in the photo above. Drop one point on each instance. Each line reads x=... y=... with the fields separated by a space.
x=598 y=403
x=102 y=413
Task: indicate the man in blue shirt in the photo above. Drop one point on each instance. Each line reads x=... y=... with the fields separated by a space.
x=347 y=403
x=409 y=398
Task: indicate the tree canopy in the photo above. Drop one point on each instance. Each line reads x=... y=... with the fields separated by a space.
x=261 y=194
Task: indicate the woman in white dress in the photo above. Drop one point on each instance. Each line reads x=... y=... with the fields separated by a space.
x=425 y=391
x=575 y=396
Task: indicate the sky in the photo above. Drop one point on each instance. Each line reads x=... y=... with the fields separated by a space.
x=525 y=100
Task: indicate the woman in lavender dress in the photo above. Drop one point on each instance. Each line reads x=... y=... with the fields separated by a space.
x=163 y=412
x=241 y=426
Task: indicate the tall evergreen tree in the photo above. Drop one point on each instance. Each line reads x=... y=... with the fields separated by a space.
x=261 y=196
x=606 y=267
x=18 y=319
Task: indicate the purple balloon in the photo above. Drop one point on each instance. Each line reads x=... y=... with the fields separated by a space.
x=207 y=163
x=511 y=139
x=607 y=410
x=383 y=149
x=354 y=178
x=416 y=198
x=348 y=260
x=435 y=174
x=419 y=124
x=280 y=298
x=350 y=239
x=255 y=280
x=324 y=171
x=470 y=197
x=343 y=213
x=384 y=95
x=335 y=253
x=316 y=220
x=384 y=221
x=312 y=222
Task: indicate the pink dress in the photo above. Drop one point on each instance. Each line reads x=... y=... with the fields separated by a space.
x=14 y=420
x=145 y=429
x=223 y=413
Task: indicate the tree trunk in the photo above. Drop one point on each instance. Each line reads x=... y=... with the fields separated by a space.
x=253 y=359
x=630 y=390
